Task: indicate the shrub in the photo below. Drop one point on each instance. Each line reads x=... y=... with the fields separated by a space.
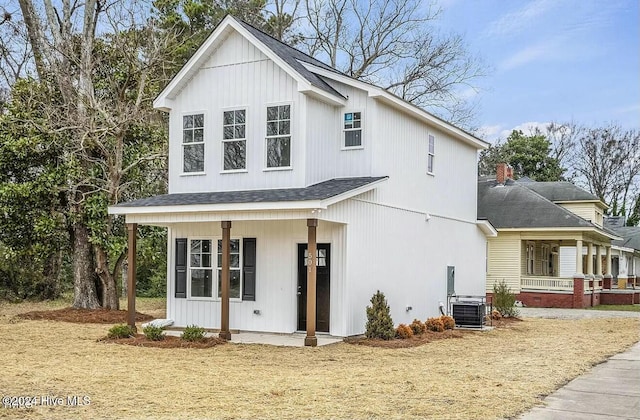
x=404 y=331
x=434 y=324
x=448 y=322
x=121 y=331
x=504 y=301
x=379 y=322
x=153 y=333
x=417 y=327
x=193 y=333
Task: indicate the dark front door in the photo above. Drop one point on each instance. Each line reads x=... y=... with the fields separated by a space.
x=322 y=287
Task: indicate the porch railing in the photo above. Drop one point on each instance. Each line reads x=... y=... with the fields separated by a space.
x=546 y=283
x=597 y=284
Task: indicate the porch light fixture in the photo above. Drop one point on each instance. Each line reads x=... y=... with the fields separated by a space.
x=409 y=308
x=427 y=217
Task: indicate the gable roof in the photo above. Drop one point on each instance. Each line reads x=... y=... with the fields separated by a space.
x=317 y=195
x=560 y=191
x=310 y=73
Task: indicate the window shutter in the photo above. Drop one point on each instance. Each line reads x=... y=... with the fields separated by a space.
x=181 y=268
x=249 y=269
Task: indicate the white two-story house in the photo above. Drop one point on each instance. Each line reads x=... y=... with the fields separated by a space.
x=273 y=152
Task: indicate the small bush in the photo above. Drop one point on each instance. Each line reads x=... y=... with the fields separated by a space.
x=504 y=301
x=121 y=331
x=448 y=322
x=495 y=314
x=379 y=322
x=404 y=331
x=153 y=333
x=417 y=327
x=434 y=324
x=193 y=333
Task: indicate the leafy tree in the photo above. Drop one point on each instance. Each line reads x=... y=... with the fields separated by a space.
x=529 y=155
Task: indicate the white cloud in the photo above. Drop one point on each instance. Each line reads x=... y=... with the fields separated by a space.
x=527 y=128
x=520 y=19
x=489 y=132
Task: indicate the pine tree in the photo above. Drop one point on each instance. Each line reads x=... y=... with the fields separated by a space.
x=379 y=322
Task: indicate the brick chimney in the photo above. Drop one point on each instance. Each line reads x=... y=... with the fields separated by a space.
x=503 y=172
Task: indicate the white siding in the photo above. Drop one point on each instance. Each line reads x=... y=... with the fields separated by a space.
x=400 y=151
x=276 y=277
x=237 y=75
x=405 y=256
x=326 y=158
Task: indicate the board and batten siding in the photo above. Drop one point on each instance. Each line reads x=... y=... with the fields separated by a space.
x=326 y=156
x=400 y=151
x=405 y=255
x=505 y=260
x=237 y=76
x=276 y=276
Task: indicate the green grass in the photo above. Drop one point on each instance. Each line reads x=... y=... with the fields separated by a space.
x=630 y=308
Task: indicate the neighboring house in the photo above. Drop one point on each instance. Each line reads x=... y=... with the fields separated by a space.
x=271 y=150
x=625 y=253
x=552 y=249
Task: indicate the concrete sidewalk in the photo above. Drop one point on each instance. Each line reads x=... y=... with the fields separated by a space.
x=609 y=391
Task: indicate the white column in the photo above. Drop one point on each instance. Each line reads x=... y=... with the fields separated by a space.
x=579 y=256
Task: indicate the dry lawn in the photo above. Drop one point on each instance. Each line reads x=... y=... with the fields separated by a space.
x=486 y=375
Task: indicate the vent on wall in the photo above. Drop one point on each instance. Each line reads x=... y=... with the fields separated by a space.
x=469 y=314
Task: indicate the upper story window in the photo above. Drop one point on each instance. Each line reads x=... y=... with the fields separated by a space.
x=193 y=143
x=234 y=141
x=432 y=153
x=278 y=136
x=352 y=129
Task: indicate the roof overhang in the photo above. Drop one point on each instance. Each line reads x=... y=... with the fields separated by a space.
x=400 y=104
x=164 y=101
x=562 y=229
x=487 y=228
x=248 y=206
x=596 y=202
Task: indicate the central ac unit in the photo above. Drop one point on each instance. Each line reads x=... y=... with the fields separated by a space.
x=469 y=314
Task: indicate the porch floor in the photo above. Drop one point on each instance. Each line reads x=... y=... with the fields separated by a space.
x=272 y=339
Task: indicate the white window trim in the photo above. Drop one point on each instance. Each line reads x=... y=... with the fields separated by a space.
x=343 y=131
x=204 y=142
x=214 y=269
x=546 y=257
x=244 y=108
x=265 y=137
x=430 y=154
x=532 y=259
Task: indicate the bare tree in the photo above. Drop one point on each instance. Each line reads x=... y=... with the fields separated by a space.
x=606 y=161
x=392 y=43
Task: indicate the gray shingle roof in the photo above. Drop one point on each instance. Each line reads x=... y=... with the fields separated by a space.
x=291 y=56
x=515 y=205
x=320 y=191
x=560 y=191
x=630 y=234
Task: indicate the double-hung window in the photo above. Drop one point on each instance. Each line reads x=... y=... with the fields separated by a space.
x=234 y=269
x=234 y=141
x=546 y=260
x=352 y=129
x=193 y=143
x=200 y=266
x=278 y=136
x=531 y=258
x=432 y=153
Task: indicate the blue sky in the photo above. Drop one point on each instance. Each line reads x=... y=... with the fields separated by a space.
x=551 y=60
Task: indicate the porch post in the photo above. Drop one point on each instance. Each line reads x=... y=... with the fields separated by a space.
x=311 y=339
x=132 y=232
x=226 y=251
x=590 y=259
x=607 y=268
x=579 y=256
x=598 y=260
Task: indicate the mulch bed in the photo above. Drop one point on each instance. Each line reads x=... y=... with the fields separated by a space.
x=84 y=316
x=426 y=337
x=169 y=342
x=397 y=343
